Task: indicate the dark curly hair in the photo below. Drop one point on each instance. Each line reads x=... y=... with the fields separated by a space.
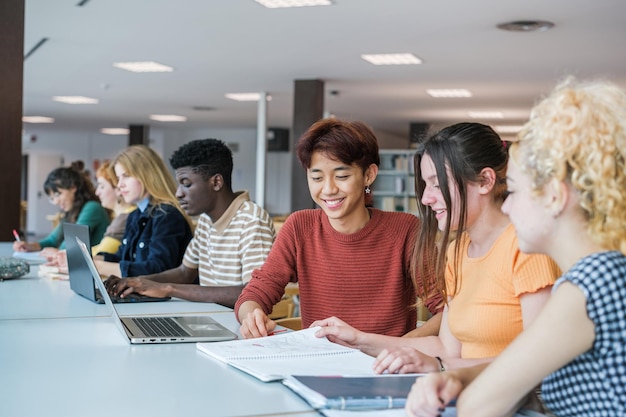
x=66 y=178
x=206 y=157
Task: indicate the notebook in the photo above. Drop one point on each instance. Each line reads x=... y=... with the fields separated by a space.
x=353 y=392
x=158 y=329
x=273 y=358
x=79 y=274
x=32 y=258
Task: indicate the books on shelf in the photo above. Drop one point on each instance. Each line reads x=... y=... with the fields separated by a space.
x=273 y=358
x=353 y=392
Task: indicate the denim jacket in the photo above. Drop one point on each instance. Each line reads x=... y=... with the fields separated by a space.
x=154 y=241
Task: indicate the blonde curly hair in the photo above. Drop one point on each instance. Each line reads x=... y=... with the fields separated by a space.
x=578 y=134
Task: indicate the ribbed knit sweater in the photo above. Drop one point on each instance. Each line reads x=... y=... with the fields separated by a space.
x=485 y=313
x=363 y=278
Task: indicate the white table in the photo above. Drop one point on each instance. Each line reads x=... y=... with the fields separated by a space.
x=62 y=355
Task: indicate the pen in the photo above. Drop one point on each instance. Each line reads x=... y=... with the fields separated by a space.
x=278 y=331
x=17 y=236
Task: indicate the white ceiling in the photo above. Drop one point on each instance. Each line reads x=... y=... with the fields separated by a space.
x=231 y=46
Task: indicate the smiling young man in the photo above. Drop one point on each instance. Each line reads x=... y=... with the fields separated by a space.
x=233 y=235
x=349 y=260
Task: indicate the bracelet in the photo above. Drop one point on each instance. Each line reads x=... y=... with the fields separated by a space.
x=441 y=367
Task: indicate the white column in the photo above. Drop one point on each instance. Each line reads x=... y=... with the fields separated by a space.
x=261 y=149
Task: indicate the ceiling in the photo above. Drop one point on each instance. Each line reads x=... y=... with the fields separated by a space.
x=236 y=46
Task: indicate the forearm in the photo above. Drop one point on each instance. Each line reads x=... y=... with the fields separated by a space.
x=430 y=328
x=456 y=363
x=107 y=269
x=179 y=275
x=225 y=295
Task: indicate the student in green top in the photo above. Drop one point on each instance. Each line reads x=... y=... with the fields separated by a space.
x=75 y=196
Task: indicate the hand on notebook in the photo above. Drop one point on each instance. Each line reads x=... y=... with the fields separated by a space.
x=431 y=393
x=338 y=331
x=123 y=287
x=256 y=324
x=57 y=258
x=21 y=246
x=404 y=360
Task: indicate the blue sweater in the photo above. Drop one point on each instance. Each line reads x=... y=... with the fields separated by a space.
x=154 y=241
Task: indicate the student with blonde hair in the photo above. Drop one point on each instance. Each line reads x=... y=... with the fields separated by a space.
x=233 y=235
x=566 y=180
x=157 y=233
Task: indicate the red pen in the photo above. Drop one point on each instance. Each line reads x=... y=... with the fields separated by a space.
x=17 y=236
x=278 y=331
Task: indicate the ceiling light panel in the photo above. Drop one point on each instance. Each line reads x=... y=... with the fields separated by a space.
x=115 y=131
x=508 y=129
x=449 y=93
x=274 y=4
x=143 y=66
x=486 y=115
x=75 y=99
x=168 y=118
x=37 y=119
x=392 y=59
x=244 y=96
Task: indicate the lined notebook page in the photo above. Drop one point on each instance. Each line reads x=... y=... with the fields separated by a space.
x=273 y=358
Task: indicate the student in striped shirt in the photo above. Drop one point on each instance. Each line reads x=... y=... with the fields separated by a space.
x=233 y=235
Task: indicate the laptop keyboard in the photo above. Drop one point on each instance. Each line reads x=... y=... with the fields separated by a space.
x=159 y=326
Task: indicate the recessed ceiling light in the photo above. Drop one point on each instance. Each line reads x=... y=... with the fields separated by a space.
x=168 y=118
x=486 y=115
x=526 y=26
x=246 y=96
x=392 y=59
x=37 y=119
x=449 y=93
x=75 y=99
x=508 y=129
x=274 y=4
x=115 y=131
x=145 y=66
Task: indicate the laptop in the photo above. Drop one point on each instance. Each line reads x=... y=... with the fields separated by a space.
x=159 y=329
x=80 y=276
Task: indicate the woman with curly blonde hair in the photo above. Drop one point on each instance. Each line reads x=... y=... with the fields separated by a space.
x=568 y=170
x=157 y=233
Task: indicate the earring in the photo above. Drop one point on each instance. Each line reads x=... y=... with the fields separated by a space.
x=367 y=189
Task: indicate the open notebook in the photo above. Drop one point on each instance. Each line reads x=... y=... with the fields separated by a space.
x=273 y=358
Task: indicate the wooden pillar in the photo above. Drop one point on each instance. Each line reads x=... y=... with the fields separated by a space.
x=11 y=80
x=308 y=108
x=139 y=135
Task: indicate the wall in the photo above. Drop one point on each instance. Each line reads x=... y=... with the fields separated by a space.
x=45 y=147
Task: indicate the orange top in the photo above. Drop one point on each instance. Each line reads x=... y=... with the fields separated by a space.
x=485 y=314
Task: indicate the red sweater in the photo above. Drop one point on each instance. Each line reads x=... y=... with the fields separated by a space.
x=363 y=278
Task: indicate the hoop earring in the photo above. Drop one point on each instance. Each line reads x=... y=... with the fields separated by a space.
x=367 y=189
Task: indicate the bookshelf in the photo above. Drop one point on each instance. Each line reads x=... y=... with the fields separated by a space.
x=394 y=188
